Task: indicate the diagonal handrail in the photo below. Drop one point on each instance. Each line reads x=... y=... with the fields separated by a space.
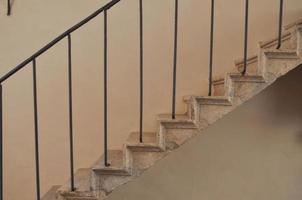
x=57 y=39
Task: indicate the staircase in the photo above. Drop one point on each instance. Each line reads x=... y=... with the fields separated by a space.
x=129 y=162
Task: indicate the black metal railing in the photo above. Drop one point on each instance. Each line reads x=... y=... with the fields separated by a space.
x=9 y=7
x=141 y=62
x=36 y=125
x=67 y=35
x=246 y=26
x=280 y=24
x=70 y=113
x=175 y=59
x=211 y=46
x=105 y=94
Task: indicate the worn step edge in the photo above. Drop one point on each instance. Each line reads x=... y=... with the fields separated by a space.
x=236 y=77
x=209 y=100
x=124 y=170
x=145 y=147
x=112 y=171
x=181 y=121
x=280 y=54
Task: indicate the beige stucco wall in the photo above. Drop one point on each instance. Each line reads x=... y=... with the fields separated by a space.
x=35 y=22
x=252 y=153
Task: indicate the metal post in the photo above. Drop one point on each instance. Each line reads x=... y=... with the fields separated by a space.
x=70 y=114
x=175 y=59
x=280 y=24
x=105 y=93
x=245 y=36
x=141 y=70
x=36 y=130
x=1 y=143
x=211 y=47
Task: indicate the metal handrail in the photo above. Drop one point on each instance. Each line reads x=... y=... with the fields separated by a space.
x=9 y=9
x=57 y=39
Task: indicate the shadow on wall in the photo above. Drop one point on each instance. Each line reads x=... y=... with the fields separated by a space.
x=278 y=98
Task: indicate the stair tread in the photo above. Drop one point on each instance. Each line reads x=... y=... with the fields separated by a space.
x=178 y=117
x=211 y=100
x=292 y=51
x=116 y=161
x=247 y=77
x=150 y=142
x=148 y=138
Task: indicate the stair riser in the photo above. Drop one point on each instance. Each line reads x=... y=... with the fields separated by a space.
x=245 y=90
x=106 y=184
x=211 y=113
x=299 y=39
x=145 y=149
x=275 y=68
x=178 y=125
x=144 y=160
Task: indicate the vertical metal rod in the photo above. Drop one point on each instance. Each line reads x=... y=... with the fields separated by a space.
x=36 y=129
x=1 y=143
x=105 y=93
x=280 y=24
x=8 y=7
x=175 y=59
x=141 y=71
x=245 y=36
x=211 y=46
x=70 y=115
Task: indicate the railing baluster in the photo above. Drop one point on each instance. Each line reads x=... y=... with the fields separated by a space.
x=175 y=59
x=141 y=70
x=1 y=143
x=70 y=114
x=280 y=24
x=8 y=7
x=245 y=36
x=36 y=129
x=211 y=46
x=105 y=93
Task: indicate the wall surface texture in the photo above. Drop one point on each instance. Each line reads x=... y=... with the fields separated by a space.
x=253 y=153
x=35 y=22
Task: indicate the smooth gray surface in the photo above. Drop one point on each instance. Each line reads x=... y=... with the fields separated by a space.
x=255 y=152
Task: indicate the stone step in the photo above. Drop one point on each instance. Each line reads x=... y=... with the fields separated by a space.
x=280 y=54
x=150 y=142
x=237 y=77
x=209 y=100
x=220 y=88
x=181 y=121
x=118 y=164
x=82 y=182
